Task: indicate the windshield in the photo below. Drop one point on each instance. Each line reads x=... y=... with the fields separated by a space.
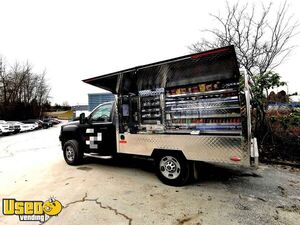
x=102 y=113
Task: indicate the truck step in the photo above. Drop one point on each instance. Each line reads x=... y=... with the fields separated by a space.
x=95 y=155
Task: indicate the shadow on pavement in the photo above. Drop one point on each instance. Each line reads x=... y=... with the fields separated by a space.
x=206 y=172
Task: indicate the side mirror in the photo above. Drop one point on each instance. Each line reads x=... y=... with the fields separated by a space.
x=82 y=118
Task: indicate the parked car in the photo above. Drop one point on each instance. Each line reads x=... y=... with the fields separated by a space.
x=48 y=121
x=16 y=126
x=6 y=128
x=55 y=121
x=32 y=125
x=25 y=127
x=38 y=122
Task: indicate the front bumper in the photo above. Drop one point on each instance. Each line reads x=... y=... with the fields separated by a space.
x=7 y=130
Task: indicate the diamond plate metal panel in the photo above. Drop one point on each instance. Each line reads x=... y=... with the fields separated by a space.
x=200 y=148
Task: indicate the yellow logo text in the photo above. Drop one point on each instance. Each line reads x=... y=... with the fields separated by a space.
x=31 y=210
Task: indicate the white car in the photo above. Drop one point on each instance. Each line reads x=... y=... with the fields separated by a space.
x=24 y=126
x=32 y=125
x=5 y=127
x=15 y=125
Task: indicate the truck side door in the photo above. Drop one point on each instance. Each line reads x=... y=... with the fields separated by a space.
x=100 y=134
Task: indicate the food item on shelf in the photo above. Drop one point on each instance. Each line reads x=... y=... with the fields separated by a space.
x=208 y=87
x=189 y=90
x=168 y=116
x=178 y=91
x=195 y=89
x=173 y=91
x=237 y=120
x=217 y=85
x=202 y=87
x=183 y=90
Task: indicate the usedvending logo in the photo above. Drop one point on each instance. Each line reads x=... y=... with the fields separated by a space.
x=31 y=210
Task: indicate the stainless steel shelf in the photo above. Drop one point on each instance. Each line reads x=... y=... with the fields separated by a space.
x=206 y=124
x=209 y=116
x=221 y=91
x=204 y=108
x=151 y=117
x=150 y=110
x=221 y=132
x=203 y=101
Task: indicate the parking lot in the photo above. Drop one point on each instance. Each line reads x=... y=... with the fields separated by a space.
x=126 y=191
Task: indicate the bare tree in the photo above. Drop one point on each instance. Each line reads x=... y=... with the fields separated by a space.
x=3 y=82
x=22 y=90
x=262 y=40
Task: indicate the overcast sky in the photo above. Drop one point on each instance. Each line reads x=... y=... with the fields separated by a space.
x=74 y=40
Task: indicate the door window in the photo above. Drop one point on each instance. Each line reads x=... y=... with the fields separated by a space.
x=102 y=113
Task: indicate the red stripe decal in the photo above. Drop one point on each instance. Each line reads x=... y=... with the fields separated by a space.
x=123 y=142
x=235 y=158
x=209 y=53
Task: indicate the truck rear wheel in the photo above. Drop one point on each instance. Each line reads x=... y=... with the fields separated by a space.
x=72 y=153
x=172 y=169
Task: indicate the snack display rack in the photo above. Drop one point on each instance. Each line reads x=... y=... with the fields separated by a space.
x=151 y=106
x=203 y=109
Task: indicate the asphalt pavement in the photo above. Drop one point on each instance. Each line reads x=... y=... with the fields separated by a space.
x=126 y=191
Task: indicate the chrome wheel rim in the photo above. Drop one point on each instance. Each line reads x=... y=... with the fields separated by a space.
x=169 y=167
x=70 y=153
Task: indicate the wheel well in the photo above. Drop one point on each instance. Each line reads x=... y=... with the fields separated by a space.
x=69 y=136
x=159 y=152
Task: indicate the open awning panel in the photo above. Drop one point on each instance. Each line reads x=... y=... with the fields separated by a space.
x=218 y=64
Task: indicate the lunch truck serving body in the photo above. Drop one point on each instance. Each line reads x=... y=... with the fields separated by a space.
x=178 y=111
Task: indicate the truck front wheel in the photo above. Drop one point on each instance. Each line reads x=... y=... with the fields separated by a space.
x=72 y=153
x=172 y=169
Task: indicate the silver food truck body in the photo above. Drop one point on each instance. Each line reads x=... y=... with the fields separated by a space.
x=182 y=110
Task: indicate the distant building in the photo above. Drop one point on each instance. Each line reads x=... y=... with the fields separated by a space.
x=99 y=98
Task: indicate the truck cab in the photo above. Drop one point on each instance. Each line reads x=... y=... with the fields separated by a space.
x=94 y=135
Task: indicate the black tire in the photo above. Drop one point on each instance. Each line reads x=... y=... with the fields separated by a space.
x=172 y=169
x=72 y=153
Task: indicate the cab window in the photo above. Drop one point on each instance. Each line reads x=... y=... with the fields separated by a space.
x=102 y=113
